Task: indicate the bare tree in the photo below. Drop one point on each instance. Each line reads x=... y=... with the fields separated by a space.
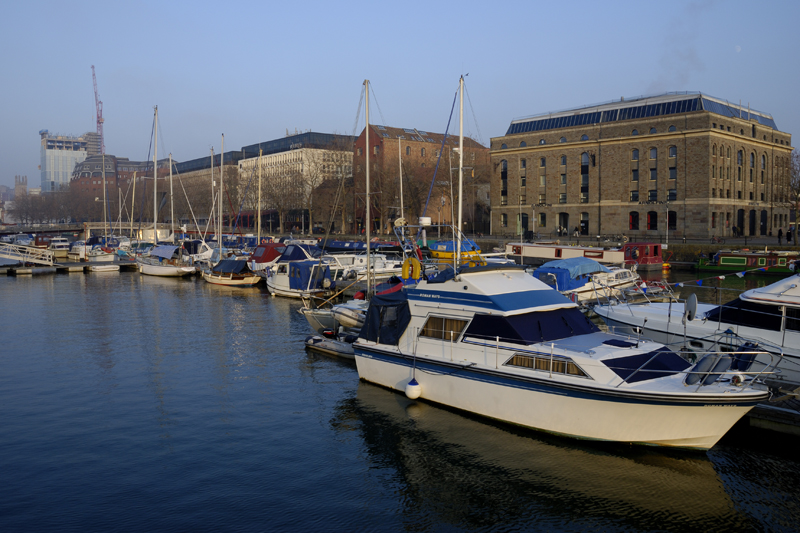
x=794 y=187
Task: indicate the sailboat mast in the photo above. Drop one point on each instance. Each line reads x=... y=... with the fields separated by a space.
x=171 y=204
x=368 y=220
x=211 y=216
x=133 y=201
x=460 y=163
x=400 y=167
x=260 y=153
x=155 y=174
x=105 y=204
x=221 y=189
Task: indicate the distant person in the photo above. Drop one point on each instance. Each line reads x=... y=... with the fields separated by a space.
x=788 y=236
x=780 y=235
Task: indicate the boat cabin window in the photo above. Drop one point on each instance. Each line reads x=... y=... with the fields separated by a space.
x=557 y=365
x=792 y=319
x=437 y=327
x=749 y=314
x=530 y=328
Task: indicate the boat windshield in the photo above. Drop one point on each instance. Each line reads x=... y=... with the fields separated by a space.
x=531 y=328
x=741 y=313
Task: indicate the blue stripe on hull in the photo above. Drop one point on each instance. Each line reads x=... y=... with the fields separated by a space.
x=548 y=386
x=502 y=302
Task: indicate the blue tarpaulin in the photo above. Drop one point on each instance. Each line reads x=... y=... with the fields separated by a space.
x=387 y=318
x=568 y=274
x=309 y=275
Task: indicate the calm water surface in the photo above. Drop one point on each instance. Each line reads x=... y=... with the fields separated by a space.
x=138 y=403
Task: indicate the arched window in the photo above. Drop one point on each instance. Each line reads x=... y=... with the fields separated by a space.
x=653 y=153
x=635 y=155
x=635 y=132
x=729 y=152
x=523 y=144
x=673 y=151
x=585 y=158
x=542 y=141
x=714 y=150
x=564 y=160
x=763 y=162
x=584 y=137
x=408 y=150
x=562 y=140
x=752 y=160
x=652 y=220
x=741 y=132
x=633 y=220
x=653 y=130
x=673 y=128
x=739 y=157
x=503 y=146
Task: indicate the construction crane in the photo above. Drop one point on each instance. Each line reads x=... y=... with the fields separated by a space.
x=99 y=104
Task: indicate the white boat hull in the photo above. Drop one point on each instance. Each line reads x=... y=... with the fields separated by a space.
x=165 y=270
x=103 y=267
x=232 y=281
x=688 y=422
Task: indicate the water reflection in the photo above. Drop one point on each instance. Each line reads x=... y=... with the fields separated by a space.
x=467 y=473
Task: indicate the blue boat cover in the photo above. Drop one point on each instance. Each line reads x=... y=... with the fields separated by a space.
x=450 y=246
x=305 y=275
x=387 y=318
x=230 y=266
x=569 y=274
x=165 y=252
x=297 y=252
x=531 y=328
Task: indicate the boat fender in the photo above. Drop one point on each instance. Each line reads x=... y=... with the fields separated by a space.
x=699 y=371
x=413 y=390
x=722 y=365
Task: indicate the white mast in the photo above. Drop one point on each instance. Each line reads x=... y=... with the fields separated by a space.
x=400 y=166
x=171 y=205
x=260 y=153
x=133 y=201
x=211 y=216
x=369 y=222
x=221 y=192
x=460 y=163
x=105 y=204
x=155 y=173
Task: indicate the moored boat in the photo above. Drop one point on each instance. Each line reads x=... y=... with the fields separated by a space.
x=232 y=273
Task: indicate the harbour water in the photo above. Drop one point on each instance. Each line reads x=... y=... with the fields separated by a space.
x=136 y=403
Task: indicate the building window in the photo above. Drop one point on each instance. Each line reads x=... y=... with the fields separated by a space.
x=635 y=155
x=672 y=220
x=543 y=162
x=360 y=151
x=652 y=220
x=633 y=220
x=542 y=220
x=739 y=157
x=673 y=151
x=653 y=174
x=635 y=132
x=727 y=193
x=635 y=174
x=739 y=173
x=739 y=195
x=751 y=175
x=634 y=196
x=542 y=181
x=522 y=199
x=422 y=152
x=523 y=144
x=564 y=160
x=563 y=179
x=763 y=162
x=584 y=197
x=653 y=153
x=542 y=141
x=752 y=160
x=522 y=181
x=653 y=130
x=504 y=220
x=375 y=150
x=562 y=140
x=584 y=137
x=523 y=164
x=562 y=198
x=714 y=125
x=542 y=198
x=762 y=196
x=751 y=195
x=672 y=195
x=652 y=195
x=713 y=171
x=673 y=128
x=714 y=150
x=673 y=173
x=729 y=152
x=762 y=177
x=713 y=193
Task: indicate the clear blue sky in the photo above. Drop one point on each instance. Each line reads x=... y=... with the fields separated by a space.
x=252 y=70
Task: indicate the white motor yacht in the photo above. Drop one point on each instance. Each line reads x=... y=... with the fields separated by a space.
x=497 y=342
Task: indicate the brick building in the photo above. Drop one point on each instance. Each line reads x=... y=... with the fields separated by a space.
x=686 y=163
x=419 y=152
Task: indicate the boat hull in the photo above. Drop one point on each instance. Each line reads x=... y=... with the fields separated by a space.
x=168 y=271
x=235 y=281
x=686 y=421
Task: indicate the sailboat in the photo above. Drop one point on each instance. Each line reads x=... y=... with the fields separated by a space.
x=167 y=260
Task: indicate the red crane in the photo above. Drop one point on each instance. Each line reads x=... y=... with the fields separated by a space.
x=99 y=104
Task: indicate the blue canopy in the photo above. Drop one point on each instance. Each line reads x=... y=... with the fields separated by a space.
x=297 y=252
x=467 y=245
x=309 y=275
x=165 y=252
x=387 y=318
x=230 y=266
x=568 y=274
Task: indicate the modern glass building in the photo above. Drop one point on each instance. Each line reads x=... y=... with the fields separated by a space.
x=59 y=155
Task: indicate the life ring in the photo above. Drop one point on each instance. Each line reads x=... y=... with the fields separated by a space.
x=412 y=268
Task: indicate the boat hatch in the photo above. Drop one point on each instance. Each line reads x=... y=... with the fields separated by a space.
x=530 y=328
x=650 y=365
x=545 y=363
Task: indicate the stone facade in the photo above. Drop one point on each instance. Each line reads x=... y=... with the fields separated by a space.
x=632 y=176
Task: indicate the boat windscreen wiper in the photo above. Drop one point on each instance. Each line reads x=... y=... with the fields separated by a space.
x=541 y=333
x=572 y=331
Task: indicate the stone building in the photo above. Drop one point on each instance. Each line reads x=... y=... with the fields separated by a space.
x=682 y=165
